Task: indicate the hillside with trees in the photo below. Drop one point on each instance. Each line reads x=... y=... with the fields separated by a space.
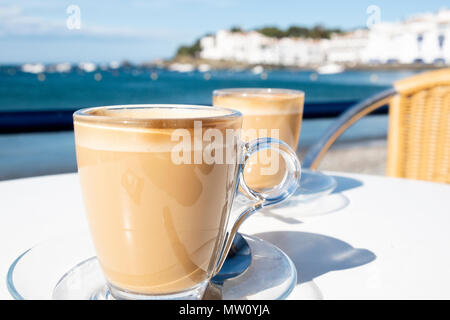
x=316 y=32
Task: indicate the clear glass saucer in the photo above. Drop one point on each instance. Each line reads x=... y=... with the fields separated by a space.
x=66 y=268
x=313 y=185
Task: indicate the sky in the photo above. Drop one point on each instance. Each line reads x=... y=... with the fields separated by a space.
x=143 y=30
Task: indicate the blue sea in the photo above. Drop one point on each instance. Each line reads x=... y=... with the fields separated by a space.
x=30 y=154
x=24 y=91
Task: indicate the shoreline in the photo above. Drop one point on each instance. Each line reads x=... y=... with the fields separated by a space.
x=364 y=156
x=206 y=65
x=233 y=65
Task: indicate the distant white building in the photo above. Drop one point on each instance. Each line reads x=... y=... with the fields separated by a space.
x=422 y=38
x=347 y=48
x=255 y=48
x=300 y=52
x=250 y=47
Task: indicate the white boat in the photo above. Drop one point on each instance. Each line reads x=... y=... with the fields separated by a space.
x=331 y=68
x=181 y=67
x=33 y=68
x=114 y=65
x=87 y=66
x=257 y=69
x=63 y=67
x=204 y=67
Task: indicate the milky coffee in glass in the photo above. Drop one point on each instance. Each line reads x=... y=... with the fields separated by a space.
x=156 y=225
x=274 y=113
x=158 y=194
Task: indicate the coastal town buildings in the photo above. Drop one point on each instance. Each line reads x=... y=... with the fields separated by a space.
x=347 y=48
x=423 y=38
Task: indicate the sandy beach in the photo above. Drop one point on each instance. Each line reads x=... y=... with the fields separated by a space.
x=368 y=157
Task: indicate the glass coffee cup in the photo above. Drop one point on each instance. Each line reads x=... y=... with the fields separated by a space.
x=267 y=112
x=158 y=183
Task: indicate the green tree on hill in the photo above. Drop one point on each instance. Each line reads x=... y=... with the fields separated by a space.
x=191 y=51
x=317 y=32
x=297 y=32
x=272 y=32
x=236 y=29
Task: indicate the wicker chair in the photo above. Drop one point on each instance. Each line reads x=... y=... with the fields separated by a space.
x=419 y=127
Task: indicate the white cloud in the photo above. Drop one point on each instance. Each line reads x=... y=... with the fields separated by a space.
x=174 y=3
x=9 y=11
x=15 y=23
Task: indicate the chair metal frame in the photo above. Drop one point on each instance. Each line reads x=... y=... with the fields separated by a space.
x=342 y=123
x=422 y=98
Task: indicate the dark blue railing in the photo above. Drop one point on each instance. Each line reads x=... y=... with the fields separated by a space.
x=32 y=121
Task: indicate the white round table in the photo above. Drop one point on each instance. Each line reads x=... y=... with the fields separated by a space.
x=374 y=238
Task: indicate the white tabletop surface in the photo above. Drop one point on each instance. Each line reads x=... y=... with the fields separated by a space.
x=375 y=237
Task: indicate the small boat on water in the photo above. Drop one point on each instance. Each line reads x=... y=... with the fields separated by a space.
x=204 y=67
x=181 y=67
x=33 y=68
x=87 y=66
x=257 y=69
x=63 y=67
x=331 y=68
x=114 y=65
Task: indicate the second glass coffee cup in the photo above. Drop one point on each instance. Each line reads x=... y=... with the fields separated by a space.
x=267 y=112
x=158 y=183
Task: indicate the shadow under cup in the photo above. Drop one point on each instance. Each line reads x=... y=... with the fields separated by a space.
x=275 y=113
x=158 y=224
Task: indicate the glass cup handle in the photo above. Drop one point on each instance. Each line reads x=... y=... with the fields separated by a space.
x=278 y=193
x=291 y=179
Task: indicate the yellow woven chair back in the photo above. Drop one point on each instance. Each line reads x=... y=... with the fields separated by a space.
x=419 y=128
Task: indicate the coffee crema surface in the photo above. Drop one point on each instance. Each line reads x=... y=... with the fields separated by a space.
x=157 y=226
x=267 y=113
x=162 y=113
